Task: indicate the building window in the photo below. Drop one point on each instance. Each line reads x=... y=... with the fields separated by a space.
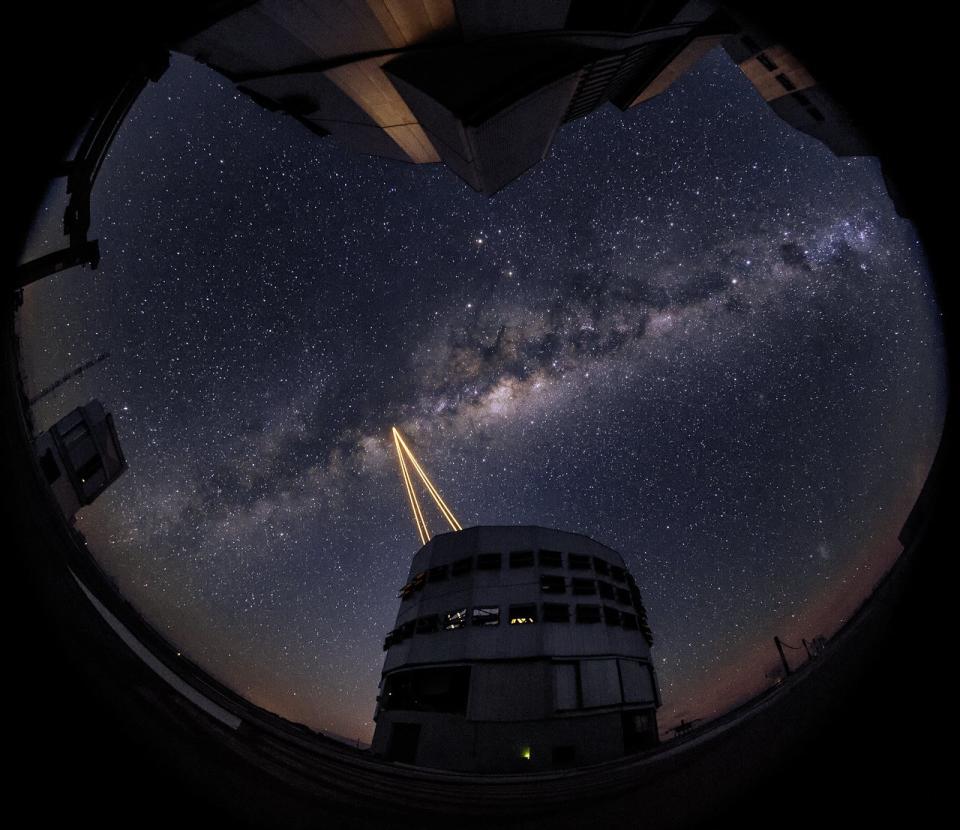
x=550 y=584
x=405 y=631
x=521 y=559
x=428 y=624
x=611 y=616
x=601 y=566
x=488 y=562
x=588 y=613
x=462 y=566
x=766 y=62
x=523 y=614
x=389 y=640
x=455 y=619
x=623 y=596
x=605 y=589
x=629 y=621
x=486 y=615
x=556 y=612
x=428 y=690
x=419 y=580
x=583 y=587
x=437 y=574
x=785 y=82
x=550 y=559
x=578 y=562
x=618 y=573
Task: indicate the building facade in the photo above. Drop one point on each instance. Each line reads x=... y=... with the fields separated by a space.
x=481 y=86
x=80 y=456
x=516 y=649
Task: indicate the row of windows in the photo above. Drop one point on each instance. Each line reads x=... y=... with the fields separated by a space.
x=524 y=614
x=550 y=584
x=516 y=559
x=577 y=684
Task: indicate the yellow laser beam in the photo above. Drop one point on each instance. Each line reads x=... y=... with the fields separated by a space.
x=447 y=513
x=403 y=454
x=418 y=516
x=421 y=519
x=414 y=504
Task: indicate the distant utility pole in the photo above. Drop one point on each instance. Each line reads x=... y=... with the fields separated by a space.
x=786 y=666
x=78 y=371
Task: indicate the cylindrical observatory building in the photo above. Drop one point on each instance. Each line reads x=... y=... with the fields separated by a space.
x=516 y=649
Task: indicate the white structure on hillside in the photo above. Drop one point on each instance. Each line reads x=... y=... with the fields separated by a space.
x=515 y=649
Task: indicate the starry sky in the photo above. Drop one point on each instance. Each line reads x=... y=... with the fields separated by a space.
x=691 y=333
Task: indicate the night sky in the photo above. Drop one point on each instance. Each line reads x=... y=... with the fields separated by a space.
x=690 y=333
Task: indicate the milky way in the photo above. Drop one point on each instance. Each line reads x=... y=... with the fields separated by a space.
x=691 y=333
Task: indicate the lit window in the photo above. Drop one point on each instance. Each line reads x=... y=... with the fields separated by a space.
x=455 y=619
x=523 y=614
x=525 y=753
x=486 y=615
